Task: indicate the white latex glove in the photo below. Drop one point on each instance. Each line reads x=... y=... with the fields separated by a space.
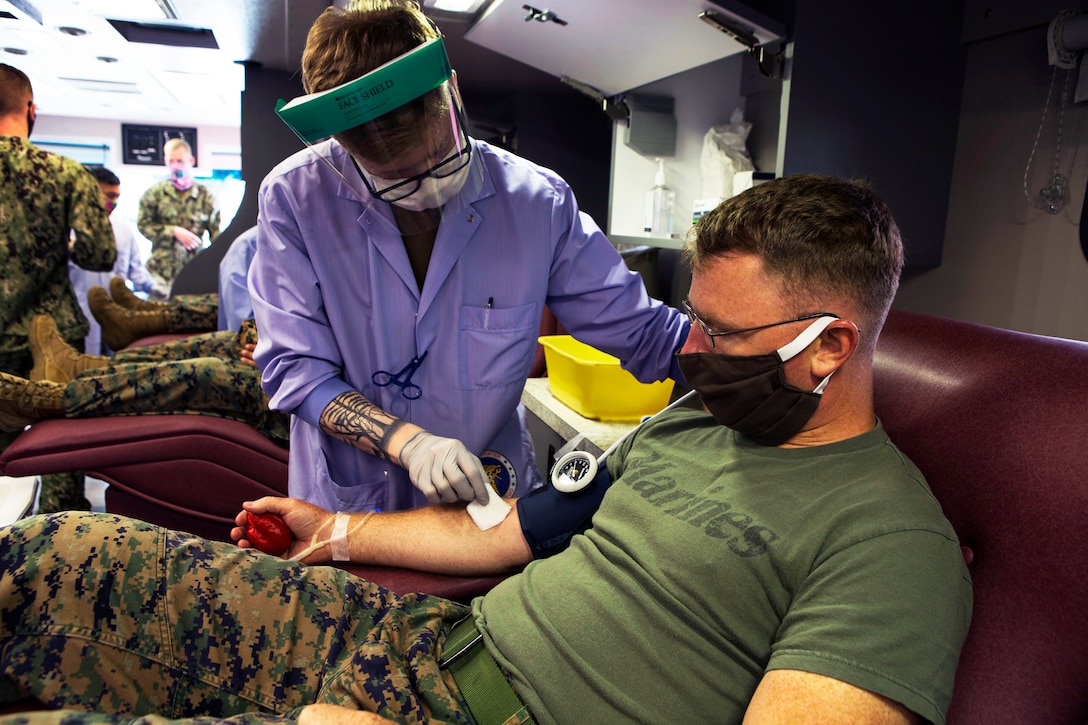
x=443 y=469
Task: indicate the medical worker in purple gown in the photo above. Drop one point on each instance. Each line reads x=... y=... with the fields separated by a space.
x=401 y=271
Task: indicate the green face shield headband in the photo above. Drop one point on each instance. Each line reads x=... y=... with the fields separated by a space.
x=319 y=115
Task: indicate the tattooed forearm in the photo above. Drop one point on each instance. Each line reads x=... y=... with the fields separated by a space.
x=355 y=420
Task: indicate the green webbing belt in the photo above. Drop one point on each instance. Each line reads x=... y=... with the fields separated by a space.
x=483 y=686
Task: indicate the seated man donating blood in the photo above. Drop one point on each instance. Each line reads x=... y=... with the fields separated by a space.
x=777 y=559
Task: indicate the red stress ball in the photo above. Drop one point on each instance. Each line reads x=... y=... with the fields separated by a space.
x=268 y=533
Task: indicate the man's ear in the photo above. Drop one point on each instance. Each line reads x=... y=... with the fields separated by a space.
x=837 y=344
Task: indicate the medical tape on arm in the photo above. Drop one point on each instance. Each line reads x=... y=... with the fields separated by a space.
x=338 y=543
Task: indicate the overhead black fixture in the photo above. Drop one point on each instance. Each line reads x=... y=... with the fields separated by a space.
x=615 y=107
x=178 y=36
x=735 y=30
x=542 y=16
x=770 y=66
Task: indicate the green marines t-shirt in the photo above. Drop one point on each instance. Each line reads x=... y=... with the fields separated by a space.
x=713 y=559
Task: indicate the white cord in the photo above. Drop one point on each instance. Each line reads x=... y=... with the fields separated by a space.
x=625 y=436
x=338 y=542
x=1054 y=194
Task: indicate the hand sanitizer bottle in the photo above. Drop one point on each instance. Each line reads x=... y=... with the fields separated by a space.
x=660 y=201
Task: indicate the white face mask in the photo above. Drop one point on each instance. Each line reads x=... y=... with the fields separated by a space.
x=433 y=193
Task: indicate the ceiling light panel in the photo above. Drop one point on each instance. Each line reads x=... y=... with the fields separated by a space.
x=455 y=6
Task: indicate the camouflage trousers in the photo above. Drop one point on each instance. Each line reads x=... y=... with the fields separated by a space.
x=200 y=374
x=63 y=492
x=104 y=614
x=194 y=313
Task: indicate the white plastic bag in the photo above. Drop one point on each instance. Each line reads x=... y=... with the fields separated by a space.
x=724 y=154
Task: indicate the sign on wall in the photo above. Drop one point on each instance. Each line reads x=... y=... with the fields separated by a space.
x=143 y=144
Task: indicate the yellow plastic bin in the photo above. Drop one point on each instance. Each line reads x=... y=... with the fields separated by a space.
x=593 y=384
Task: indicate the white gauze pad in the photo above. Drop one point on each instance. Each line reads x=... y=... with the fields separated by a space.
x=490 y=514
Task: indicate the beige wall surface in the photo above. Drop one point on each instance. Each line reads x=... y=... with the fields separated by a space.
x=1005 y=262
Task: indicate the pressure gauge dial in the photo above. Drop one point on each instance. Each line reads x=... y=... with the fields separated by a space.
x=574 y=471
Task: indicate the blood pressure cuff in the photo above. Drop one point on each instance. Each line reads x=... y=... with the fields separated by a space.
x=549 y=518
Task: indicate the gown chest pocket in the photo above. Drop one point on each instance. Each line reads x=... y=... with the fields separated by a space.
x=497 y=345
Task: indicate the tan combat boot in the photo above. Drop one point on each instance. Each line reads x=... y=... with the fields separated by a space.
x=122 y=327
x=23 y=402
x=125 y=297
x=55 y=359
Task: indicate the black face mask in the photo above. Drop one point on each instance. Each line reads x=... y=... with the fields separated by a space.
x=749 y=393
x=29 y=123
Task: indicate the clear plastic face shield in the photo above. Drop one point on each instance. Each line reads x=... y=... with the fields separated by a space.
x=399 y=137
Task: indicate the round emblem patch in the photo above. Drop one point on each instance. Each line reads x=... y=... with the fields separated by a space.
x=500 y=472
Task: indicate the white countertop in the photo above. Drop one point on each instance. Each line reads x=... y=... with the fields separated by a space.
x=566 y=423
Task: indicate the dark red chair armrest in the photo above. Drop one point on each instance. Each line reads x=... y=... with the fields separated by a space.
x=187 y=472
x=407 y=581
x=54 y=446
x=161 y=338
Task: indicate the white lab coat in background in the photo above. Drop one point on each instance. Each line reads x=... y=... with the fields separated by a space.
x=235 y=306
x=129 y=265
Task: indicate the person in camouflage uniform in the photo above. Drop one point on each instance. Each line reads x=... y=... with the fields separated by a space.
x=192 y=312
x=222 y=310
x=240 y=635
x=174 y=214
x=185 y=313
x=210 y=374
x=51 y=210
x=125 y=318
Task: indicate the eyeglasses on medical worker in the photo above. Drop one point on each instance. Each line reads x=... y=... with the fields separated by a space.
x=402 y=378
x=696 y=320
x=456 y=161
